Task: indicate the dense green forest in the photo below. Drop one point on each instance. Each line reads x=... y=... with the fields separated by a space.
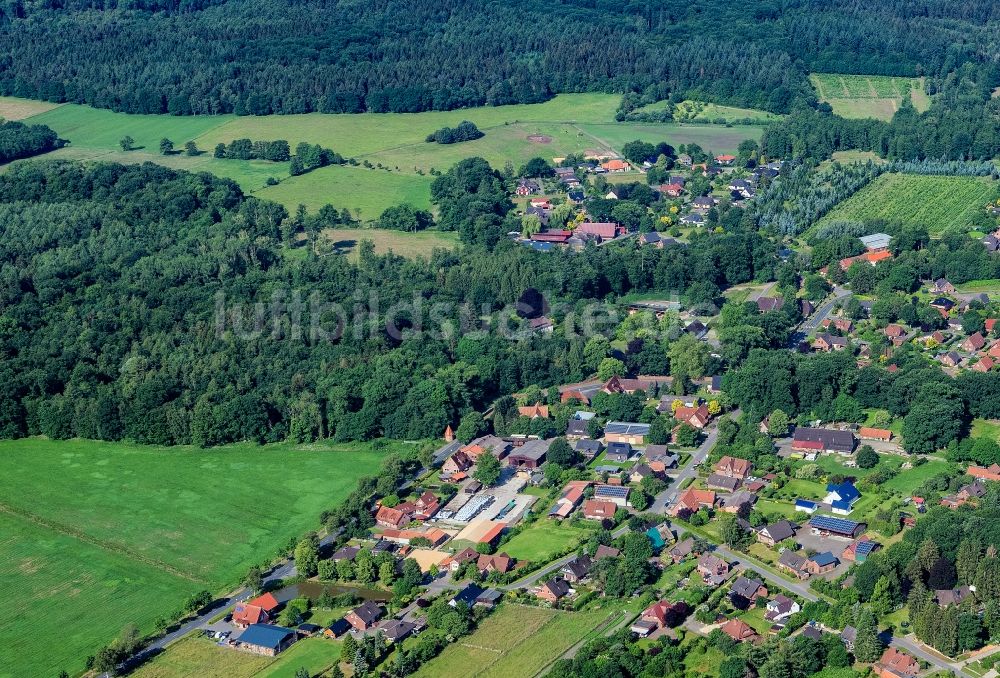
x=238 y=56
x=18 y=140
x=109 y=277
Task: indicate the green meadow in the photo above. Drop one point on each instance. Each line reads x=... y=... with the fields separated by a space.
x=392 y=143
x=869 y=96
x=99 y=535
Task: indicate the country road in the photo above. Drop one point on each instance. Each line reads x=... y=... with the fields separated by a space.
x=813 y=322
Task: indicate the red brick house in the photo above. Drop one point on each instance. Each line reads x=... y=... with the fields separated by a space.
x=595 y=509
x=733 y=467
x=364 y=617
x=456 y=463
x=896 y=664
x=738 y=630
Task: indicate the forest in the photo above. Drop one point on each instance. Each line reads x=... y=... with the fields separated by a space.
x=110 y=277
x=291 y=57
x=18 y=140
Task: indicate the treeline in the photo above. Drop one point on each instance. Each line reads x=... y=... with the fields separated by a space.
x=18 y=140
x=464 y=131
x=143 y=328
x=200 y=56
x=307 y=156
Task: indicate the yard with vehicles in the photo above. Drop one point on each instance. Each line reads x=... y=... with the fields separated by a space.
x=938 y=203
x=101 y=535
x=869 y=96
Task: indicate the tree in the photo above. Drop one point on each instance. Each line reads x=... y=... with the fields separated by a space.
x=733 y=667
x=867 y=457
x=777 y=424
x=487 y=469
x=936 y=417
x=307 y=556
x=349 y=648
x=733 y=533
x=867 y=646
x=166 y=146
x=127 y=143
x=191 y=148
x=610 y=367
x=471 y=427
x=254 y=579
x=561 y=453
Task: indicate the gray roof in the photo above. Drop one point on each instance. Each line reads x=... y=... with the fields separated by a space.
x=746 y=588
x=626 y=427
x=876 y=241
x=532 y=449
x=780 y=530
x=792 y=560
x=725 y=482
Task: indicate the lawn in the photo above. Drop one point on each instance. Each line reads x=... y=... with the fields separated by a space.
x=405 y=244
x=909 y=480
x=107 y=534
x=202 y=658
x=543 y=539
x=868 y=96
x=990 y=286
x=516 y=641
x=936 y=202
x=986 y=428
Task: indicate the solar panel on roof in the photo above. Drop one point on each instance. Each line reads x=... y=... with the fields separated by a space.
x=611 y=491
x=625 y=427
x=864 y=548
x=834 y=524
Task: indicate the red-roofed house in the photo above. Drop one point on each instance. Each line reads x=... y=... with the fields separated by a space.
x=426 y=506
x=691 y=500
x=536 y=411
x=595 y=509
x=869 y=433
x=616 y=166
x=391 y=517
x=501 y=563
x=725 y=159
x=990 y=473
x=603 y=230
x=990 y=323
x=673 y=190
x=456 y=463
x=974 y=343
x=695 y=416
x=266 y=602
x=896 y=664
x=733 y=467
x=985 y=364
x=244 y=615
x=738 y=630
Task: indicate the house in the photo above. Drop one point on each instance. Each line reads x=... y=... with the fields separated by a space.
x=794 y=563
x=307 y=630
x=842 y=497
x=990 y=473
x=623 y=385
x=456 y=463
x=527 y=187
x=747 y=589
x=577 y=429
x=894 y=331
x=553 y=590
x=713 y=570
x=684 y=159
x=530 y=455
x=826 y=342
x=725 y=159
x=848 y=636
x=337 y=628
x=947 y=597
x=860 y=549
x=468 y=595
x=571 y=497
x=836 y=527
x=594 y=509
x=435 y=536
x=618 y=452
x=364 y=616
x=397 y=630
x=535 y=411
x=664 y=614
x=577 y=569
x=780 y=608
x=625 y=432
x=588 y=448
x=345 y=553
x=869 y=433
x=558 y=237
x=672 y=190
x=615 y=166
x=950 y=359
x=455 y=562
x=265 y=639
x=974 y=343
x=773 y=534
x=697 y=417
x=942 y=286
x=246 y=615
x=942 y=304
x=768 y=304
x=641 y=471
x=738 y=630
x=599 y=230
x=613 y=493
x=426 y=505
x=876 y=242
x=896 y=664
x=806 y=506
x=391 y=517
x=823 y=440
x=690 y=501
x=985 y=364
x=734 y=467
x=492 y=444
x=681 y=550
x=739 y=502
x=821 y=563
x=693 y=219
x=722 y=482
x=500 y=562
x=605 y=552
x=489 y=598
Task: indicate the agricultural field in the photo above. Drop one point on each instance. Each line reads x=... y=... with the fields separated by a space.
x=698 y=110
x=516 y=641
x=936 y=202
x=543 y=539
x=569 y=123
x=869 y=96
x=100 y=535
x=420 y=244
x=195 y=657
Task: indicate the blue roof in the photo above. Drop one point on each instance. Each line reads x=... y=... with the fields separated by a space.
x=842 y=505
x=839 y=525
x=846 y=490
x=805 y=503
x=825 y=558
x=265 y=635
x=865 y=548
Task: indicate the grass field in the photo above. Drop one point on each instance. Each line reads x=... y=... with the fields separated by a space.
x=991 y=285
x=19 y=109
x=407 y=244
x=986 y=428
x=569 y=123
x=939 y=203
x=99 y=535
x=514 y=641
x=202 y=658
x=543 y=539
x=868 y=96
x=697 y=110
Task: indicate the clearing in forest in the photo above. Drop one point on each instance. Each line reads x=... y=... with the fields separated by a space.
x=869 y=96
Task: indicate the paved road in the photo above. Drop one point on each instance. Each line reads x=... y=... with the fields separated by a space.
x=910 y=645
x=812 y=323
x=786 y=584
x=689 y=470
x=446 y=451
x=763 y=292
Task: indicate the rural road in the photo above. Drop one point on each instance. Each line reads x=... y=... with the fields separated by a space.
x=935 y=660
x=812 y=323
x=689 y=470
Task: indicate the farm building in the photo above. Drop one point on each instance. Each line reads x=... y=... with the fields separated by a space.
x=265 y=639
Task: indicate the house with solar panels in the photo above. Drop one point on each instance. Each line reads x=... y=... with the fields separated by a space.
x=842 y=497
x=829 y=526
x=626 y=432
x=859 y=550
x=616 y=494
